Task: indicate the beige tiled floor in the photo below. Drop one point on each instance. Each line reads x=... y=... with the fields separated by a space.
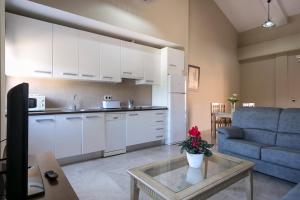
x=107 y=178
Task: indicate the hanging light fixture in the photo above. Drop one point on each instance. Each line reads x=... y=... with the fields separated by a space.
x=269 y=23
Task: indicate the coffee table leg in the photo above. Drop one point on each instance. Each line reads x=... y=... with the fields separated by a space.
x=249 y=185
x=134 y=190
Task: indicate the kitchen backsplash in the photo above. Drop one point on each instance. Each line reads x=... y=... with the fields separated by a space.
x=59 y=93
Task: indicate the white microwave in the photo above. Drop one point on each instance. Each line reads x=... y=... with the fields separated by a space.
x=36 y=102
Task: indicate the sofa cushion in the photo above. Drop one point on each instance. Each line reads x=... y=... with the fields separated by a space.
x=281 y=156
x=257 y=118
x=293 y=194
x=289 y=140
x=289 y=121
x=232 y=132
x=243 y=147
x=260 y=136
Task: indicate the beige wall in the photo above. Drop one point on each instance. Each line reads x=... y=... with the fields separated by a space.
x=272 y=80
x=165 y=19
x=212 y=47
x=59 y=93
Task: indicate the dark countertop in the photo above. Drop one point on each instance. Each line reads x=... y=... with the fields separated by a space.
x=123 y=109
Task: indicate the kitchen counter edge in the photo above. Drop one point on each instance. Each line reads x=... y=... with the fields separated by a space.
x=58 y=112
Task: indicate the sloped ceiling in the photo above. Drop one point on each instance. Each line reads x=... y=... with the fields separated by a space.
x=249 y=14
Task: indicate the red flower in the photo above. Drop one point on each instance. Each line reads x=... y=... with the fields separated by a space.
x=194 y=132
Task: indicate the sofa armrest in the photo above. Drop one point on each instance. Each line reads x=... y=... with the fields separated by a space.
x=232 y=132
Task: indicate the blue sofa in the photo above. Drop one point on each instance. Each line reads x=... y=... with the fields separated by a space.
x=270 y=137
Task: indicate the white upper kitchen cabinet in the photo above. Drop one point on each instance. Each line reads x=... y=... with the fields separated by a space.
x=151 y=65
x=88 y=56
x=93 y=138
x=28 y=47
x=173 y=59
x=110 y=59
x=41 y=131
x=65 y=52
x=131 y=60
x=68 y=135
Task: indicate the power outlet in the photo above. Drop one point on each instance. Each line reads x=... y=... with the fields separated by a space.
x=107 y=97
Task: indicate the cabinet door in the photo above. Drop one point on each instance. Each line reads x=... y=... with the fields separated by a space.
x=138 y=128
x=131 y=61
x=175 y=61
x=65 y=52
x=115 y=132
x=88 y=56
x=110 y=59
x=93 y=139
x=151 y=64
x=28 y=47
x=68 y=135
x=294 y=80
x=41 y=134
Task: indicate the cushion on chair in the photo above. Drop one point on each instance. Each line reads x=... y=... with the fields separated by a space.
x=289 y=140
x=289 y=121
x=243 y=147
x=281 y=156
x=232 y=132
x=293 y=194
x=257 y=118
x=260 y=136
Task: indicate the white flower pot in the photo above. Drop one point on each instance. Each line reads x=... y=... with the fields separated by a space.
x=195 y=160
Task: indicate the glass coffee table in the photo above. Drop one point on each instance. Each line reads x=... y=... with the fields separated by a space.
x=174 y=179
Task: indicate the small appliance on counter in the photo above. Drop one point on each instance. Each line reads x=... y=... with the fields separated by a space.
x=36 y=102
x=111 y=104
x=108 y=103
x=130 y=103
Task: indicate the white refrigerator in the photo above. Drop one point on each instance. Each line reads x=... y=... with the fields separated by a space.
x=177 y=109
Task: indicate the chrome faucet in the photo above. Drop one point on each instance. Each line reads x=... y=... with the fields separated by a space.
x=74 y=106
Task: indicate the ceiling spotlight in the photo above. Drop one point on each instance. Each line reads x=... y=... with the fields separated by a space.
x=269 y=23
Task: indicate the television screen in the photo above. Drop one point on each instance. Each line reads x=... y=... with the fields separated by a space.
x=17 y=142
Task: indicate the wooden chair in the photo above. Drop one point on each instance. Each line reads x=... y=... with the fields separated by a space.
x=217 y=122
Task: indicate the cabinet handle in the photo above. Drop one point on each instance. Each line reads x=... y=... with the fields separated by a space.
x=93 y=116
x=44 y=120
x=159 y=129
x=149 y=81
x=88 y=75
x=159 y=136
x=133 y=114
x=127 y=73
x=69 y=74
x=159 y=121
x=115 y=117
x=108 y=77
x=72 y=118
x=42 y=72
x=172 y=65
x=159 y=113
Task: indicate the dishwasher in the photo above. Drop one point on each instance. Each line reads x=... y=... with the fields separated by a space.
x=115 y=124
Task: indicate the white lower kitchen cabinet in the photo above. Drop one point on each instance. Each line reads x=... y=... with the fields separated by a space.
x=41 y=134
x=115 y=124
x=145 y=126
x=68 y=135
x=93 y=132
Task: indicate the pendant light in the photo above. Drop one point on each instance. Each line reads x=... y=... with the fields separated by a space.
x=269 y=23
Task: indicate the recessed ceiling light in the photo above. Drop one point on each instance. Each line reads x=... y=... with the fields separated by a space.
x=269 y=23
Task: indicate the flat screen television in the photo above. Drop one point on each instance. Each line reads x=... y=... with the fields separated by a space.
x=17 y=143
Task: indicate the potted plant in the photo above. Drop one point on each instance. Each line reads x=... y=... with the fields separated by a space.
x=233 y=100
x=195 y=148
